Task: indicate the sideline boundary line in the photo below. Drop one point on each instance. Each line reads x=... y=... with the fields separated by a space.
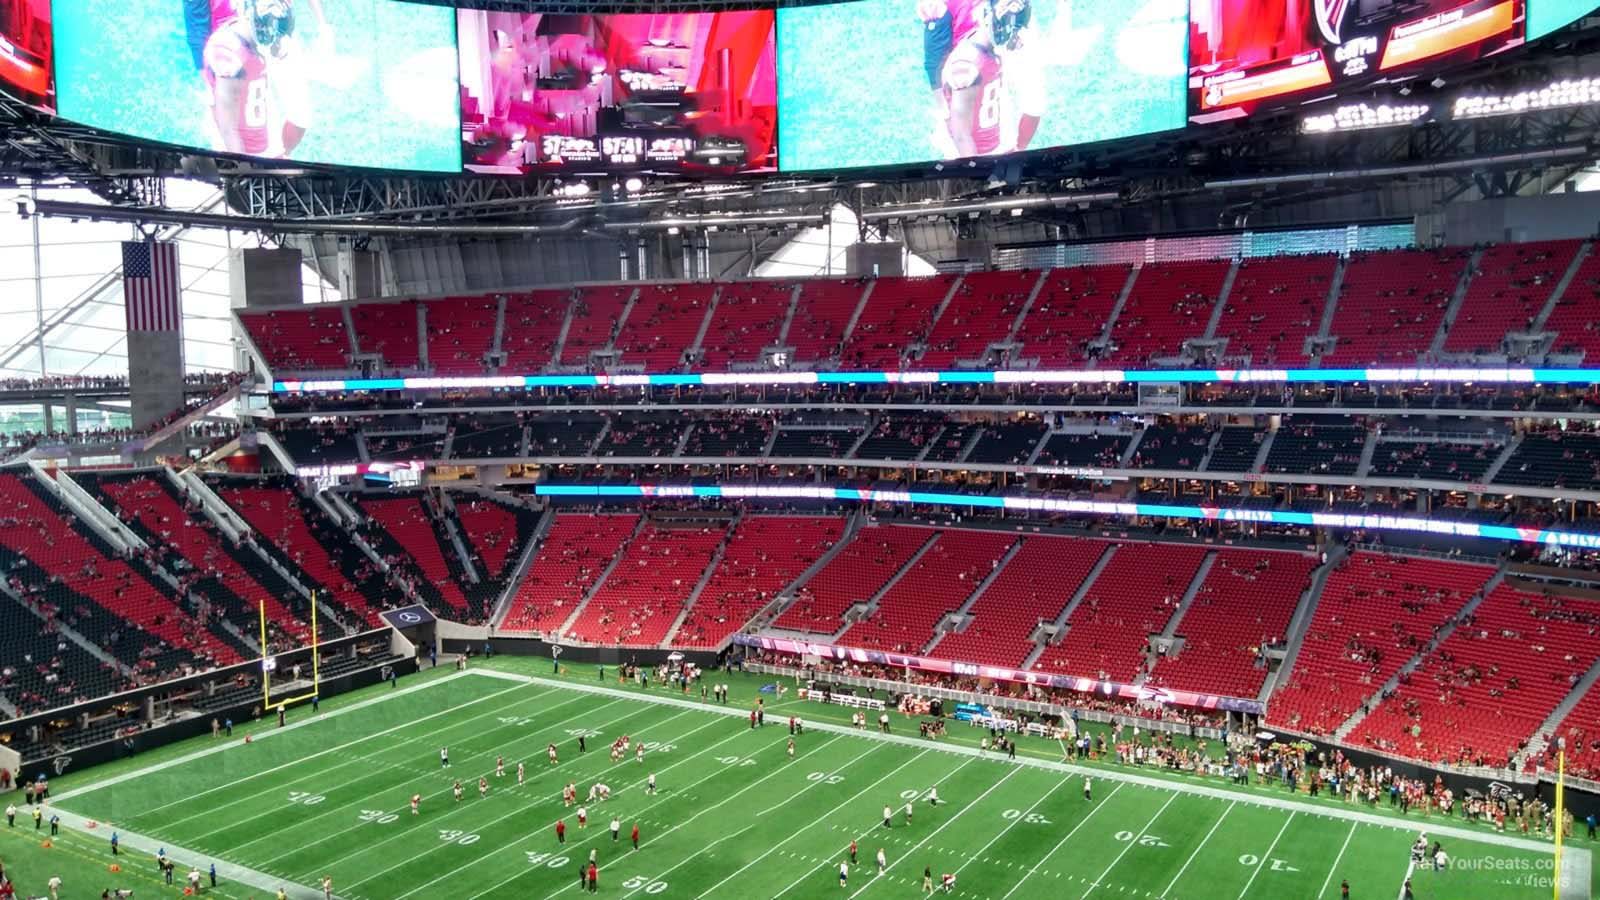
x=1279 y=803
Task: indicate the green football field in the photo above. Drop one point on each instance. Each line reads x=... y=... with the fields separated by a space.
x=733 y=816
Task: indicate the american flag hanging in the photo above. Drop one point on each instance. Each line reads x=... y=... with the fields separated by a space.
x=150 y=291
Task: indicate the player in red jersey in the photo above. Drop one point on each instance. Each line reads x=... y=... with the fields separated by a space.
x=255 y=69
x=992 y=80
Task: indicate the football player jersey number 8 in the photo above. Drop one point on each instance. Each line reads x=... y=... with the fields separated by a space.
x=255 y=105
x=989 y=108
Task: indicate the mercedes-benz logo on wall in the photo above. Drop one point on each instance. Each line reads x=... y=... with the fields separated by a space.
x=409 y=618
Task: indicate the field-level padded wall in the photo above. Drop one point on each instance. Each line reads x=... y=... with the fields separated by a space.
x=605 y=656
x=165 y=733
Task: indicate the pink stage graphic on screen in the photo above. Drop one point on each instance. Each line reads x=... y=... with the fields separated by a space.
x=596 y=93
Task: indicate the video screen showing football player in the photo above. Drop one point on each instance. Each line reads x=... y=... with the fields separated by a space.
x=983 y=62
x=257 y=71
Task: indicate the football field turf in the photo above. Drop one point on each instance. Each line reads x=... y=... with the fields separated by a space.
x=733 y=817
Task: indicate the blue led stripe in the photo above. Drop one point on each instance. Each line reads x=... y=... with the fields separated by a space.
x=1391 y=522
x=1375 y=375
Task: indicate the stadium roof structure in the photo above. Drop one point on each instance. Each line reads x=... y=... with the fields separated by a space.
x=1265 y=170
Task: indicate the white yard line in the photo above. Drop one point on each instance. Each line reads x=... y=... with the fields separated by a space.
x=1410 y=868
x=1014 y=823
x=1161 y=784
x=1267 y=855
x=942 y=826
x=265 y=735
x=1132 y=842
x=323 y=775
x=715 y=773
x=1202 y=844
x=809 y=825
x=1342 y=847
x=1063 y=842
x=324 y=836
x=467 y=807
x=661 y=875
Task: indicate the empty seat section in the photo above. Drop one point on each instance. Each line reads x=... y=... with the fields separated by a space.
x=1433 y=460
x=494 y=532
x=1077 y=448
x=1576 y=317
x=313 y=338
x=1507 y=291
x=1170 y=446
x=642 y=434
x=1032 y=589
x=1169 y=304
x=1581 y=728
x=638 y=602
x=1390 y=305
x=572 y=556
x=275 y=514
x=1274 y=305
x=210 y=568
x=900 y=436
x=460 y=333
x=732 y=434
x=39 y=668
x=898 y=314
x=533 y=325
x=595 y=312
x=1133 y=597
x=1008 y=443
x=1070 y=311
x=1244 y=603
x=486 y=437
x=764 y=555
x=389 y=329
x=1236 y=449
x=1555 y=458
x=1375 y=612
x=820 y=317
x=981 y=312
x=939 y=582
x=748 y=319
x=663 y=324
x=1316 y=449
x=859 y=569
x=435 y=565
x=39 y=530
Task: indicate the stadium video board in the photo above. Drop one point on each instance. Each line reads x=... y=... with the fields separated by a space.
x=367 y=83
x=1244 y=54
x=26 y=71
x=1545 y=16
x=890 y=82
x=543 y=92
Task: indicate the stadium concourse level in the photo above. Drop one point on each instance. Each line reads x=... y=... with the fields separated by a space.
x=1535 y=452
x=1514 y=301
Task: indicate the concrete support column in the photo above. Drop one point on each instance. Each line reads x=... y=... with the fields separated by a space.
x=360 y=275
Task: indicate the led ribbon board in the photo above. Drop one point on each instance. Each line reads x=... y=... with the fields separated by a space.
x=1548 y=536
x=1388 y=375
